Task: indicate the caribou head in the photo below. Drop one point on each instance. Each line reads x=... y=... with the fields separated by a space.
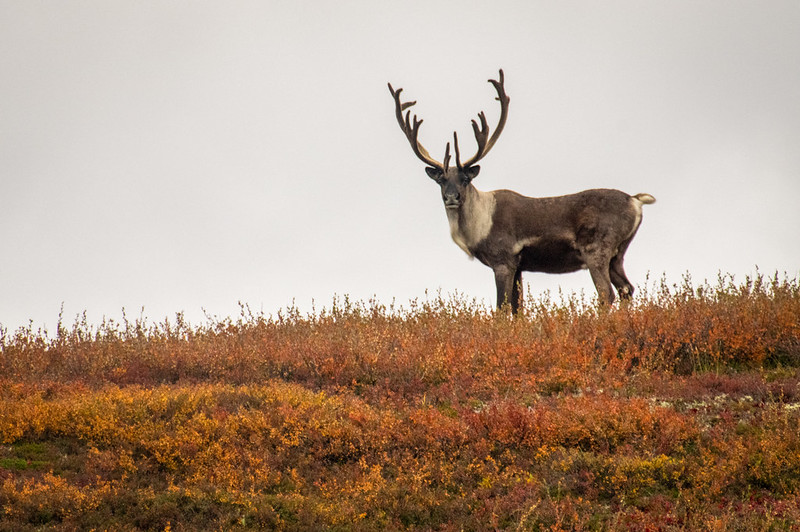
x=512 y=233
x=454 y=181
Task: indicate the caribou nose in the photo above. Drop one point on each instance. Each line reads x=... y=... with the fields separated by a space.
x=452 y=200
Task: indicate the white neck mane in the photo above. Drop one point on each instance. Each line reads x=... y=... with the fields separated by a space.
x=472 y=222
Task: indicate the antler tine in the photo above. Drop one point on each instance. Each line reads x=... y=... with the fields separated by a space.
x=482 y=133
x=503 y=98
x=411 y=129
x=458 y=154
x=446 y=163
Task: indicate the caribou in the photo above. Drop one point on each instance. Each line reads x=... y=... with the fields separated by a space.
x=511 y=233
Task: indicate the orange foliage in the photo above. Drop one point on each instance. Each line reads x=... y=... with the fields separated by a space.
x=680 y=410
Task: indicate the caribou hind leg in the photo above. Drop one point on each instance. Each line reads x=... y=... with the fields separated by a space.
x=602 y=282
x=619 y=279
x=599 y=268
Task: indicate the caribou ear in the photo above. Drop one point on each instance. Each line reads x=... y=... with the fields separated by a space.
x=471 y=172
x=434 y=173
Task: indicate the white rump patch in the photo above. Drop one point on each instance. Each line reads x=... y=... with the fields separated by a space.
x=636 y=203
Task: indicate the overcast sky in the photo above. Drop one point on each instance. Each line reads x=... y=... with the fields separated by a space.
x=181 y=156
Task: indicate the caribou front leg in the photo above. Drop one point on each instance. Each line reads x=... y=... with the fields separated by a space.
x=509 y=289
x=516 y=292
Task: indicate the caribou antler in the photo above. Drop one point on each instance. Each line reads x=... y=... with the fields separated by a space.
x=482 y=133
x=411 y=130
x=410 y=127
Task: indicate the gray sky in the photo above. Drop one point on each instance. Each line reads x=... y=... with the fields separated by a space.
x=181 y=156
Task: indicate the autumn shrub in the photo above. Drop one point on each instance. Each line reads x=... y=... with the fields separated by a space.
x=675 y=411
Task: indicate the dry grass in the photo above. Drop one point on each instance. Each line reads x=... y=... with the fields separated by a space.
x=679 y=411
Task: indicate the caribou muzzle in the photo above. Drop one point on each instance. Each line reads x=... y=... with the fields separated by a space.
x=452 y=200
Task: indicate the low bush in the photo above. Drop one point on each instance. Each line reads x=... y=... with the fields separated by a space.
x=677 y=411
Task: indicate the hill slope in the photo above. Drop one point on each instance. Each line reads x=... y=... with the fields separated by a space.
x=678 y=411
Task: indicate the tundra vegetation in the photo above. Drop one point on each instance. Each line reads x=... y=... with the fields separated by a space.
x=676 y=410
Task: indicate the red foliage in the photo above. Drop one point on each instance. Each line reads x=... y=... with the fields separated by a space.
x=678 y=411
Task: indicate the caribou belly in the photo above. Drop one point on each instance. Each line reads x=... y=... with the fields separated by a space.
x=551 y=256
